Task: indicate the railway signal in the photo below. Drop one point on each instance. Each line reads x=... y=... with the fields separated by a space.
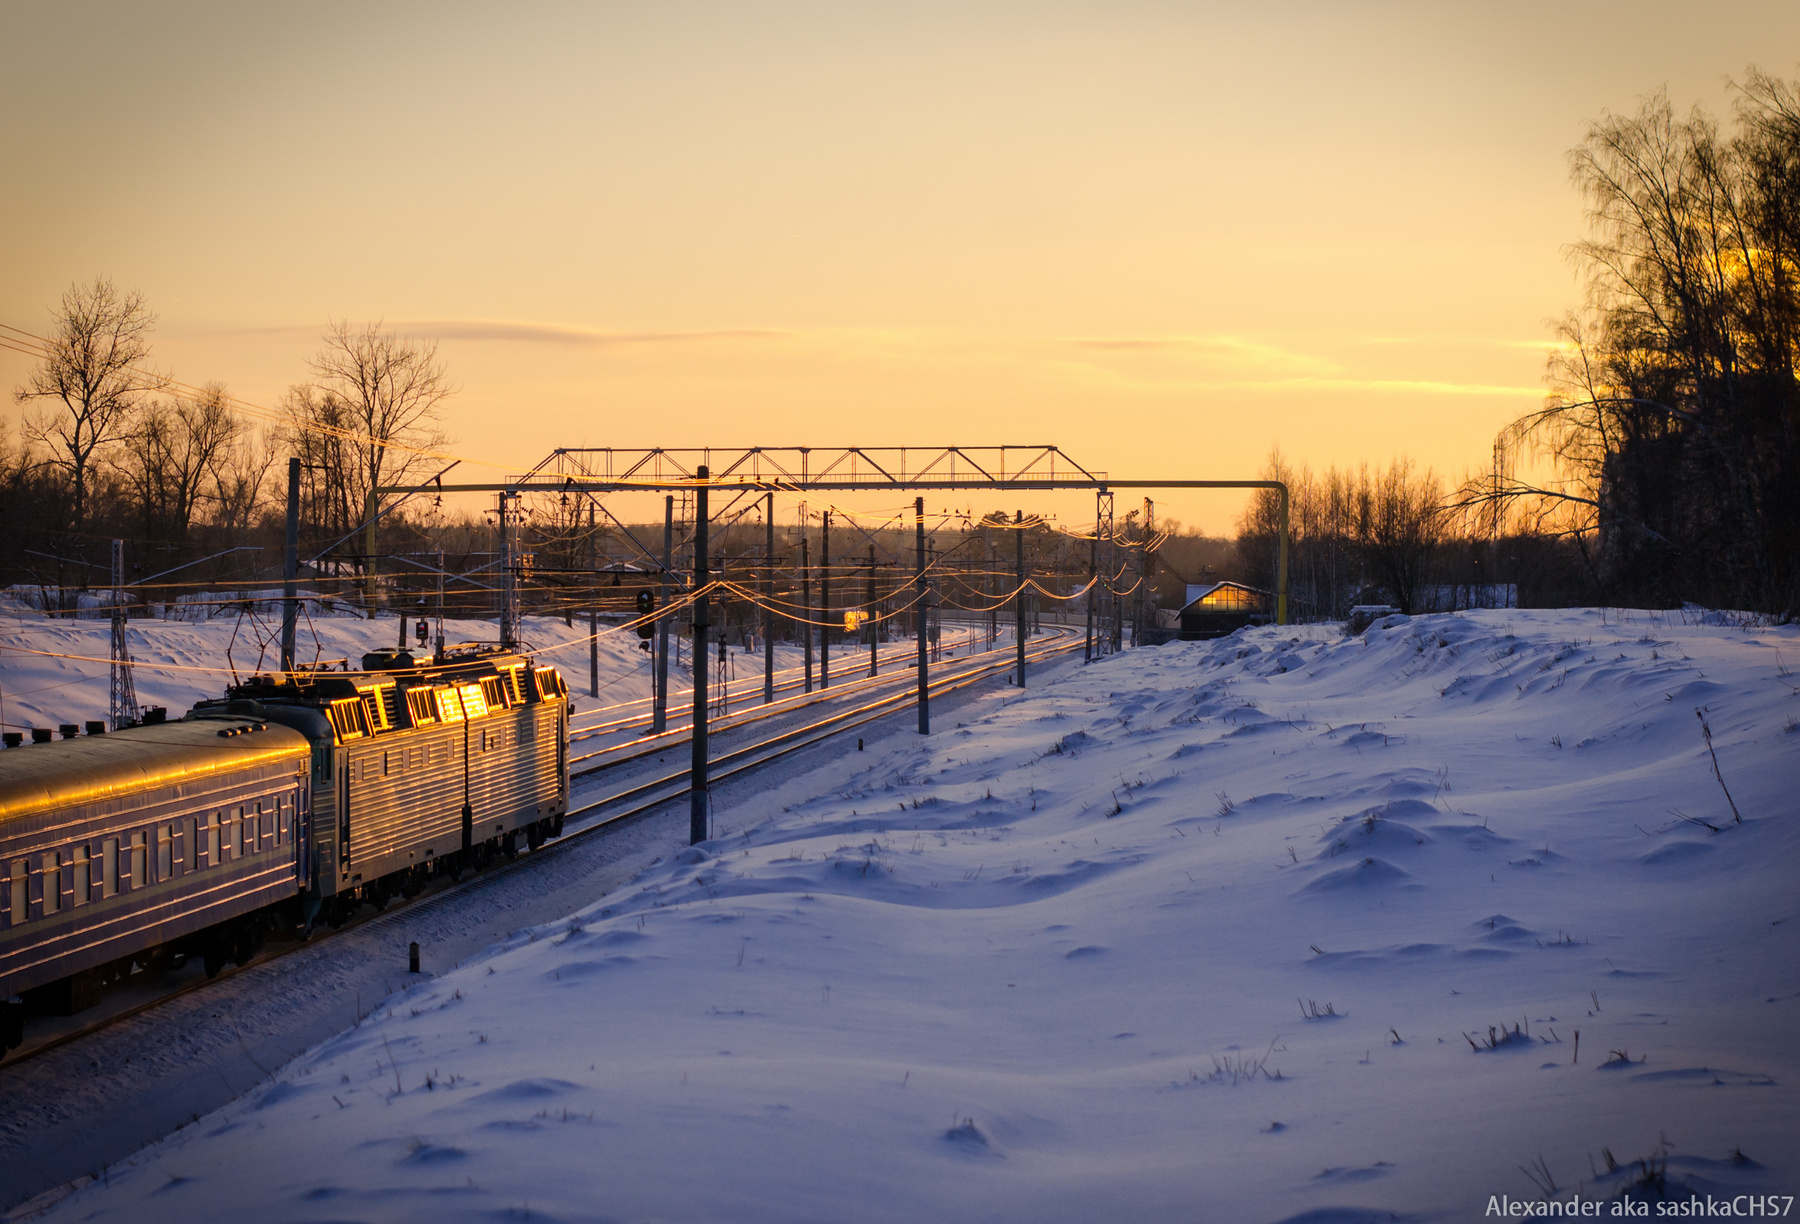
x=646 y=604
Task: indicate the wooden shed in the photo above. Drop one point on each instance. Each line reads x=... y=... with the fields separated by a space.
x=1222 y=608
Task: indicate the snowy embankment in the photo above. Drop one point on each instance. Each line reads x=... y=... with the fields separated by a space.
x=1235 y=931
x=55 y=671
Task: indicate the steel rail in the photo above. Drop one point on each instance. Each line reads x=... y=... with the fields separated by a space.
x=874 y=709
x=784 y=705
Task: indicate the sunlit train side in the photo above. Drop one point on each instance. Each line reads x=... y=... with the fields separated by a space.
x=118 y=850
x=296 y=797
x=420 y=769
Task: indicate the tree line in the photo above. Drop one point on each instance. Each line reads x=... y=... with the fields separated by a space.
x=1671 y=430
x=111 y=447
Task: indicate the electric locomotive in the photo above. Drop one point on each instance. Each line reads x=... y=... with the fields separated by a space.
x=295 y=798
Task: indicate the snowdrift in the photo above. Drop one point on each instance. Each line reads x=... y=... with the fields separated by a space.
x=1287 y=926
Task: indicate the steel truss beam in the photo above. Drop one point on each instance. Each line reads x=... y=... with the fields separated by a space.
x=801 y=469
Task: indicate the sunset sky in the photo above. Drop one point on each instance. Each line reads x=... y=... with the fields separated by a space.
x=1162 y=236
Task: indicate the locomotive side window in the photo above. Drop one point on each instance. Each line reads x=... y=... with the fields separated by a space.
x=140 y=866
x=420 y=705
x=492 y=693
x=449 y=709
x=349 y=717
x=474 y=702
x=19 y=891
x=109 y=867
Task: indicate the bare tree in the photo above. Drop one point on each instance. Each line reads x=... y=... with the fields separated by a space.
x=1674 y=416
x=92 y=370
x=172 y=451
x=240 y=479
x=369 y=417
x=1400 y=521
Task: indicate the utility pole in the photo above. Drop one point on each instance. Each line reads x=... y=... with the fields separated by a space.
x=990 y=583
x=437 y=653
x=806 y=627
x=697 y=785
x=874 y=637
x=290 y=569
x=594 y=614
x=919 y=590
x=1093 y=586
x=123 y=697
x=659 y=700
x=509 y=587
x=769 y=602
x=825 y=600
x=1019 y=599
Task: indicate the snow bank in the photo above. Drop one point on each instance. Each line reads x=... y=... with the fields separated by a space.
x=1284 y=926
x=55 y=671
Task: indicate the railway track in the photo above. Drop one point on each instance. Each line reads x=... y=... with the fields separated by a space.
x=634 y=726
x=605 y=811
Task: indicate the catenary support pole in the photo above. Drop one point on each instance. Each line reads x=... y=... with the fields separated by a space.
x=594 y=616
x=806 y=625
x=659 y=699
x=371 y=504
x=1019 y=599
x=874 y=627
x=825 y=600
x=697 y=793
x=1093 y=585
x=769 y=602
x=919 y=589
x=290 y=569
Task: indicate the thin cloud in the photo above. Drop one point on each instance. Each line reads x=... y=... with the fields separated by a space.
x=1488 y=341
x=577 y=337
x=532 y=333
x=1216 y=351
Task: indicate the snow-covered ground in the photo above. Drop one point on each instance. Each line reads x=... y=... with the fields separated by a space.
x=1232 y=931
x=55 y=671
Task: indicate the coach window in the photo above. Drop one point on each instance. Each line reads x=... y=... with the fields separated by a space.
x=109 y=867
x=18 y=891
x=83 y=875
x=165 y=852
x=140 y=867
x=247 y=825
x=52 y=881
x=214 y=839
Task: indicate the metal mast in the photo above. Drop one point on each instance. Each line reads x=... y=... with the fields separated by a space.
x=123 y=697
